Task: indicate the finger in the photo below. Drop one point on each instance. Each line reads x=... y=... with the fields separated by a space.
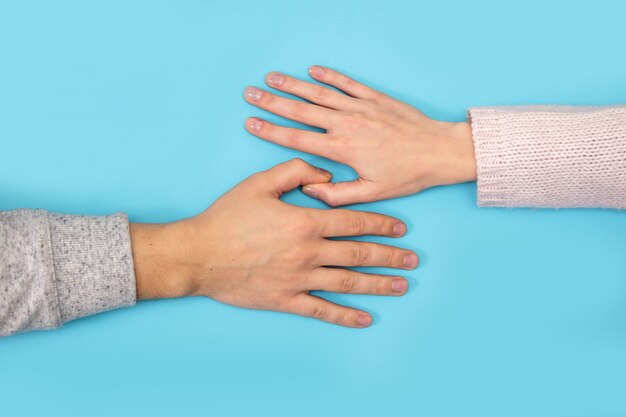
x=342 y=82
x=289 y=175
x=350 y=254
x=299 y=111
x=340 y=222
x=312 y=92
x=351 y=282
x=315 y=307
x=299 y=139
x=341 y=193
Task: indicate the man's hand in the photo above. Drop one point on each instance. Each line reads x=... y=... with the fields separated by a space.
x=395 y=149
x=250 y=249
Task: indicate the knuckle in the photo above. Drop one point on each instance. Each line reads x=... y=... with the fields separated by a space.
x=377 y=96
x=386 y=226
x=392 y=258
x=261 y=178
x=284 y=304
x=357 y=225
x=319 y=94
x=258 y=176
x=343 y=140
x=348 y=283
x=369 y=106
x=288 y=279
x=340 y=145
x=343 y=317
x=293 y=137
x=299 y=255
x=381 y=286
x=356 y=121
x=297 y=111
x=336 y=148
x=319 y=312
x=306 y=226
x=299 y=227
x=298 y=162
x=360 y=255
x=348 y=83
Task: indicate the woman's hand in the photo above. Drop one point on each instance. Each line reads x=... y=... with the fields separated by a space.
x=252 y=250
x=395 y=149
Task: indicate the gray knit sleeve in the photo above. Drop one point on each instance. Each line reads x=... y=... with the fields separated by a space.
x=55 y=268
x=550 y=156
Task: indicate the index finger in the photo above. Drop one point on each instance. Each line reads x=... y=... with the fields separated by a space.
x=340 y=222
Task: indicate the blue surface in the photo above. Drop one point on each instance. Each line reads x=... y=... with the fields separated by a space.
x=136 y=106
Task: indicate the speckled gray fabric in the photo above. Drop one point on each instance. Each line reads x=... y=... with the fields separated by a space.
x=55 y=268
x=28 y=297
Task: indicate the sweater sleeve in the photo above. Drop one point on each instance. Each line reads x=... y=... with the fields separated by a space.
x=55 y=268
x=550 y=156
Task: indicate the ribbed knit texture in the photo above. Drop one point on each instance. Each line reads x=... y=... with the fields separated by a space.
x=55 y=268
x=93 y=263
x=550 y=156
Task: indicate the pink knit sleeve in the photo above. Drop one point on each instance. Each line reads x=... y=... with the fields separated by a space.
x=550 y=156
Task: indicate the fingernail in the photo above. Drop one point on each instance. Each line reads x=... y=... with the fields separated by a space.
x=316 y=71
x=255 y=124
x=324 y=172
x=363 y=320
x=398 y=285
x=253 y=93
x=309 y=191
x=410 y=260
x=276 y=79
x=399 y=229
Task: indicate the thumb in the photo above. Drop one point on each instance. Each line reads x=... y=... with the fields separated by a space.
x=340 y=193
x=290 y=175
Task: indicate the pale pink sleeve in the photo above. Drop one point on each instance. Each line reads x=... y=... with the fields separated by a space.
x=550 y=156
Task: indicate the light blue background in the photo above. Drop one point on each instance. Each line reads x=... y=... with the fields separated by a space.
x=136 y=106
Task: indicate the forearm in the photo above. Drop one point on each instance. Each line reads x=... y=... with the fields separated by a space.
x=56 y=268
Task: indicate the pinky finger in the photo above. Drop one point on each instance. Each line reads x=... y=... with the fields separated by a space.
x=318 y=308
x=298 y=139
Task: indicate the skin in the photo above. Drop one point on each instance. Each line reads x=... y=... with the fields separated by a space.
x=252 y=250
x=395 y=149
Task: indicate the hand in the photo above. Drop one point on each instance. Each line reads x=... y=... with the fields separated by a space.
x=394 y=148
x=252 y=250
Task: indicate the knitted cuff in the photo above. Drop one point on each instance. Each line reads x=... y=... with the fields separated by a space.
x=550 y=156
x=93 y=265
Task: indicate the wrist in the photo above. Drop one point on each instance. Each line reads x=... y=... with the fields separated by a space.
x=159 y=262
x=452 y=157
x=463 y=152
